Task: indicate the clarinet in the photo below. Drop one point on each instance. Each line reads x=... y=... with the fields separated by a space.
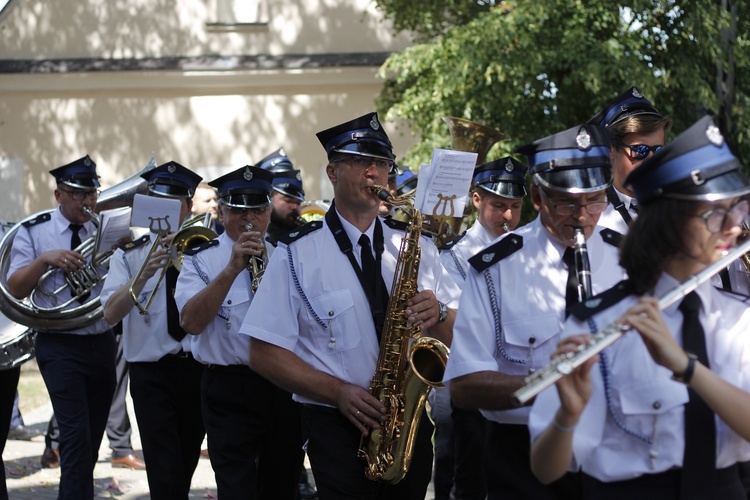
x=583 y=269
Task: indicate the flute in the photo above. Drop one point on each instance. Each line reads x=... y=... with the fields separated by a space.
x=566 y=363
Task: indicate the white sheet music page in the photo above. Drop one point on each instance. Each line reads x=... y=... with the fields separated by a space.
x=114 y=227
x=156 y=213
x=443 y=186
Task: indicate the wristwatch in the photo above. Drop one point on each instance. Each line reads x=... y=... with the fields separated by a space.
x=686 y=376
x=443 y=312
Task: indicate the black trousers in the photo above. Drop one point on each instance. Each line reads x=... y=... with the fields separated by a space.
x=118 y=425
x=332 y=444
x=508 y=468
x=470 y=431
x=79 y=372
x=664 y=486
x=254 y=434
x=8 y=384
x=167 y=402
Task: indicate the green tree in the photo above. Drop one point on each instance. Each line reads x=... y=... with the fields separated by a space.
x=533 y=68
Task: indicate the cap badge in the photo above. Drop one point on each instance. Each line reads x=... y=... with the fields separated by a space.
x=171 y=169
x=298 y=176
x=509 y=166
x=247 y=175
x=713 y=134
x=87 y=162
x=637 y=94
x=374 y=122
x=583 y=139
x=488 y=257
x=282 y=152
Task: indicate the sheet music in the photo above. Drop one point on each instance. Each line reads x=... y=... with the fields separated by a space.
x=156 y=213
x=113 y=228
x=443 y=186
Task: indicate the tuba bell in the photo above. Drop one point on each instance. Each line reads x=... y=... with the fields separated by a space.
x=28 y=313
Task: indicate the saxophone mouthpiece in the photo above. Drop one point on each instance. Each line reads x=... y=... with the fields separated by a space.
x=380 y=192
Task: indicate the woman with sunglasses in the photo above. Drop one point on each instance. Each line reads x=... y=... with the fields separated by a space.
x=637 y=130
x=662 y=414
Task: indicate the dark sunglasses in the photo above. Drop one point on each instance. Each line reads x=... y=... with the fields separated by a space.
x=640 y=151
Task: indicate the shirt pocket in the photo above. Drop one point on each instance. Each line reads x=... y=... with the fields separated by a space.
x=642 y=402
x=336 y=311
x=521 y=335
x=236 y=300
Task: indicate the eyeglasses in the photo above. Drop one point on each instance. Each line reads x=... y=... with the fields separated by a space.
x=639 y=151
x=593 y=208
x=717 y=219
x=366 y=162
x=254 y=211
x=80 y=195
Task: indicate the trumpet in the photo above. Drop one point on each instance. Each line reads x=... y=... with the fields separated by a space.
x=566 y=363
x=256 y=266
x=745 y=258
x=193 y=231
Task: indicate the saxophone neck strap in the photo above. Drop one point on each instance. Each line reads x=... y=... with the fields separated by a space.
x=379 y=298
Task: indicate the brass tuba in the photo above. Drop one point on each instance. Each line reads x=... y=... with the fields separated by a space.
x=26 y=312
x=473 y=138
x=405 y=370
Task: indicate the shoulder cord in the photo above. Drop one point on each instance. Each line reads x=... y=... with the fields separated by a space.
x=603 y=366
x=458 y=264
x=496 y=316
x=204 y=277
x=299 y=288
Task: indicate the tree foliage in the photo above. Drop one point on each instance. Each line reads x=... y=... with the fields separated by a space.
x=533 y=68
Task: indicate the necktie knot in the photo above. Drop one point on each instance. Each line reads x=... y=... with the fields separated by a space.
x=691 y=303
x=75 y=239
x=75 y=227
x=364 y=242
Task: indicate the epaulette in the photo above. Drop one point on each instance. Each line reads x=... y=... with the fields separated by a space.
x=740 y=297
x=605 y=300
x=450 y=244
x=395 y=224
x=298 y=233
x=135 y=243
x=45 y=217
x=612 y=237
x=199 y=248
x=496 y=252
x=272 y=243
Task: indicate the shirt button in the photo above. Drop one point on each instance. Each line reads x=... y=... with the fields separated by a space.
x=330 y=313
x=229 y=301
x=532 y=340
x=656 y=405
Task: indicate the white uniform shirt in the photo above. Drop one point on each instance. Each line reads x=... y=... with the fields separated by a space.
x=612 y=219
x=530 y=289
x=144 y=337
x=335 y=334
x=220 y=343
x=645 y=397
x=456 y=259
x=30 y=242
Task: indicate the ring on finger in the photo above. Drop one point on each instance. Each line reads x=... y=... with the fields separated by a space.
x=358 y=412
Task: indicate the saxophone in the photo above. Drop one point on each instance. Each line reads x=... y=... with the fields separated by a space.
x=405 y=371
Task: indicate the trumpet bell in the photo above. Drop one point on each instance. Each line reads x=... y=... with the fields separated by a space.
x=189 y=237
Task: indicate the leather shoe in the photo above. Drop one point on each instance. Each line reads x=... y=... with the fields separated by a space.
x=307 y=491
x=22 y=433
x=129 y=462
x=50 y=459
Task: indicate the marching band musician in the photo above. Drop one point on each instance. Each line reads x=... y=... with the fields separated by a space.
x=287 y=195
x=322 y=341
x=498 y=198
x=637 y=130
x=664 y=414
x=78 y=367
x=515 y=295
x=254 y=427
x=164 y=377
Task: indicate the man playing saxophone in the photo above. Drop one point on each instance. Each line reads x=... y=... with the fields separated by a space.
x=328 y=299
x=78 y=366
x=164 y=377
x=515 y=295
x=253 y=427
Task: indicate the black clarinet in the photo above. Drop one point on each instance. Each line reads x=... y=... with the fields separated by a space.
x=583 y=269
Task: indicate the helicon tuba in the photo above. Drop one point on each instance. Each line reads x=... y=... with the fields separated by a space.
x=408 y=365
x=26 y=312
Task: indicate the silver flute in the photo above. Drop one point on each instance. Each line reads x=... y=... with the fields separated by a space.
x=583 y=268
x=566 y=363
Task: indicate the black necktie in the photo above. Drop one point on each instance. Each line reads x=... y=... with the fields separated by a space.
x=368 y=264
x=634 y=207
x=571 y=289
x=699 y=462
x=75 y=239
x=173 y=315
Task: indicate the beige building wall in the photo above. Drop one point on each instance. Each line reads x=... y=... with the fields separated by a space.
x=120 y=80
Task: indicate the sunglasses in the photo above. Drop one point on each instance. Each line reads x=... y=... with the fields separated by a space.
x=639 y=151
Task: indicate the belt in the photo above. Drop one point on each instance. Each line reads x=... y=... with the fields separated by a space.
x=666 y=479
x=234 y=369
x=321 y=408
x=180 y=355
